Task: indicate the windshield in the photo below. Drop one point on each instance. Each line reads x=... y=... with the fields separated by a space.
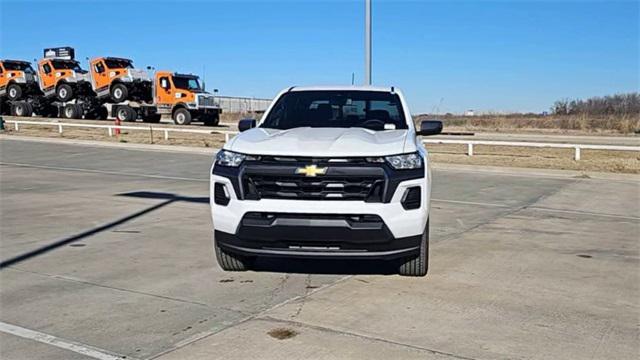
x=118 y=63
x=21 y=66
x=66 y=64
x=186 y=83
x=373 y=110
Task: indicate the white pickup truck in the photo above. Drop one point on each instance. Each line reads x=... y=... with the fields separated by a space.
x=328 y=172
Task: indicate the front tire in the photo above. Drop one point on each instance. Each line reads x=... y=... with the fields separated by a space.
x=182 y=117
x=418 y=265
x=64 y=92
x=14 y=92
x=126 y=113
x=119 y=93
x=232 y=262
x=22 y=108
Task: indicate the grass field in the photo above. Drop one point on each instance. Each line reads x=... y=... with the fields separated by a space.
x=575 y=124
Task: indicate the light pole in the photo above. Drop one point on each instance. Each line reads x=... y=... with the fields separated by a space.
x=367 y=42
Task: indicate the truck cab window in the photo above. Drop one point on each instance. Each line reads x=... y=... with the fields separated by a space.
x=46 y=68
x=99 y=67
x=164 y=83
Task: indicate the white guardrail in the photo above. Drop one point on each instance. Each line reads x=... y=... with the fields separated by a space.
x=470 y=143
x=111 y=128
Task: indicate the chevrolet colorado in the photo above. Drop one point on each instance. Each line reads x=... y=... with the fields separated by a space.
x=328 y=172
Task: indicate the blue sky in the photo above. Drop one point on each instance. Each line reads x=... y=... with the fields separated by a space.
x=445 y=55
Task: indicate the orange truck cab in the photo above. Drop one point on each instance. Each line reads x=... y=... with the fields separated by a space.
x=116 y=78
x=61 y=76
x=182 y=96
x=17 y=79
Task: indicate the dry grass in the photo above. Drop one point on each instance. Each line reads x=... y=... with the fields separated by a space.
x=627 y=124
x=126 y=136
x=542 y=158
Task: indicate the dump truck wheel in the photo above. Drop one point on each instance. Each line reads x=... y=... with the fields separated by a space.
x=182 y=117
x=21 y=108
x=418 y=265
x=126 y=113
x=64 y=92
x=14 y=92
x=72 y=111
x=119 y=93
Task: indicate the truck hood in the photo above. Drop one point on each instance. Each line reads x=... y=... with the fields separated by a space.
x=324 y=142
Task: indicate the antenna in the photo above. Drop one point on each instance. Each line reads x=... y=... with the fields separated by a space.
x=353 y=78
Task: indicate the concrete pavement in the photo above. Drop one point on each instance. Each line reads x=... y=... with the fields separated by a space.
x=110 y=248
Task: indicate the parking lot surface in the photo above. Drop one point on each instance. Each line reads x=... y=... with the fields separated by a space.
x=106 y=253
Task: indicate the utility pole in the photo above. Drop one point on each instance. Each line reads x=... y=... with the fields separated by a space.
x=367 y=42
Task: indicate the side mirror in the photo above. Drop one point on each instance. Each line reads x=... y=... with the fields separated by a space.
x=246 y=124
x=430 y=127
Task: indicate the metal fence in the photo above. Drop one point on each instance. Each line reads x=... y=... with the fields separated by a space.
x=242 y=104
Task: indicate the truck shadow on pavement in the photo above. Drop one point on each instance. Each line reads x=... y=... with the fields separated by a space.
x=285 y=265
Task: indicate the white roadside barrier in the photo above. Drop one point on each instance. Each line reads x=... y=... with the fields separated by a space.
x=577 y=147
x=111 y=128
x=227 y=135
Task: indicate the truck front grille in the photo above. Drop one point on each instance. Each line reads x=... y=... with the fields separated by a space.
x=363 y=188
x=206 y=101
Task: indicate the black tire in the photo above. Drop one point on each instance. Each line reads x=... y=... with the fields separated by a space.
x=119 y=93
x=14 y=92
x=72 y=111
x=182 y=117
x=418 y=265
x=64 y=92
x=153 y=118
x=21 y=108
x=210 y=120
x=232 y=262
x=125 y=113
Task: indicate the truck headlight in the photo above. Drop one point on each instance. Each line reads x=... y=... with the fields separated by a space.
x=232 y=159
x=405 y=161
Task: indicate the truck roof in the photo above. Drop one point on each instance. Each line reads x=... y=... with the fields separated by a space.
x=117 y=58
x=15 y=61
x=343 y=88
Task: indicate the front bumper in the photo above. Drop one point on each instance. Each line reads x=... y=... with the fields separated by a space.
x=297 y=232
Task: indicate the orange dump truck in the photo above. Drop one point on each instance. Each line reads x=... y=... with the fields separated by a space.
x=178 y=95
x=117 y=79
x=60 y=75
x=17 y=79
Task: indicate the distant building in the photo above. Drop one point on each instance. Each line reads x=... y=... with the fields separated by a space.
x=469 y=113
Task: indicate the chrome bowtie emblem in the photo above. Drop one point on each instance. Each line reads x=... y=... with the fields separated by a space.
x=311 y=170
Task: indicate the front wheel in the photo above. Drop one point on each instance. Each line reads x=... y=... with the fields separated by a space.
x=418 y=265
x=125 y=113
x=232 y=262
x=64 y=92
x=22 y=108
x=119 y=93
x=182 y=117
x=14 y=92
